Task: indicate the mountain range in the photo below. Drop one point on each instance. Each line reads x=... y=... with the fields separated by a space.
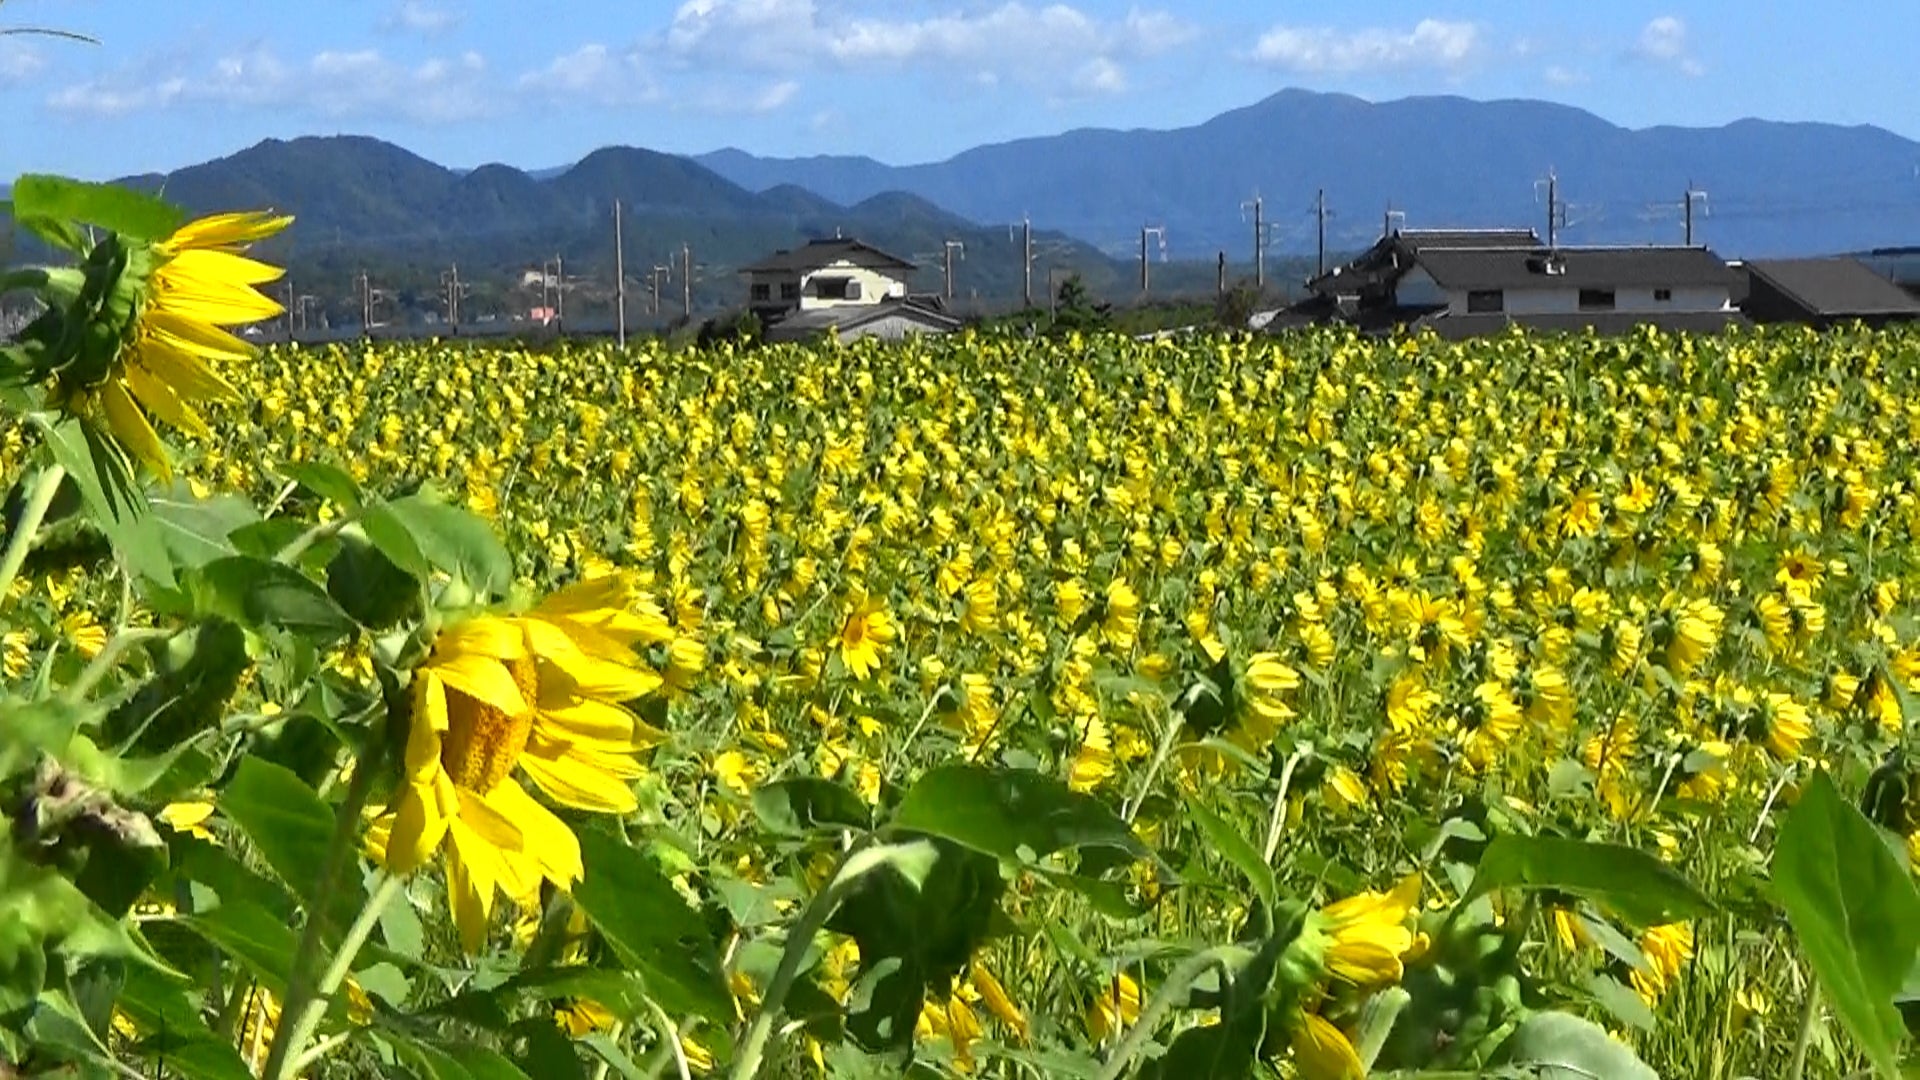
x=360 y=201
x=1771 y=188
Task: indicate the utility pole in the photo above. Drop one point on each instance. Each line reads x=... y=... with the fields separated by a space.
x=1026 y=260
x=951 y=247
x=686 y=280
x=366 y=303
x=1160 y=232
x=1693 y=193
x=1259 y=241
x=306 y=305
x=1553 y=206
x=1220 y=276
x=619 y=279
x=455 y=292
x=554 y=271
x=287 y=289
x=654 y=278
x=1320 y=215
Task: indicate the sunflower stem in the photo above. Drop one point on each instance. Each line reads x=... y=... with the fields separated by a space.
x=315 y=1009
x=753 y=1046
x=1178 y=981
x=1280 y=804
x=299 y=544
x=1129 y=811
x=300 y=978
x=1803 y=1036
x=39 y=499
x=109 y=656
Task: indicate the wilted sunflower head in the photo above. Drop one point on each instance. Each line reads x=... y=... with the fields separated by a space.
x=152 y=341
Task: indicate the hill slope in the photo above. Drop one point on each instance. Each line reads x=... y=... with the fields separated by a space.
x=365 y=204
x=1775 y=188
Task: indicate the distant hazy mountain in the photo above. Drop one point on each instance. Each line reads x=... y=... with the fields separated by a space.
x=1772 y=188
x=359 y=201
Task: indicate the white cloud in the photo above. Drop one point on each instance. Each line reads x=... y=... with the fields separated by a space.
x=733 y=97
x=597 y=75
x=1431 y=43
x=1666 y=42
x=424 y=17
x=333 y=84
x=1011 y=42
x=18 y=62
x=1100 y=76
x=1558 y=75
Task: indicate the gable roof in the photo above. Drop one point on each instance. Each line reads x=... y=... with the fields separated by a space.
x=1393 y=254
x=1835 y=287
x=801 y=324
x=1577 y=268
x=819 y=253
x=1423 y=239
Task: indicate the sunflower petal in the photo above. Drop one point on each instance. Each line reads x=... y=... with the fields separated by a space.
x=225 y=230
x=424 y=732
x=129 y=425
x=549 y=842
x=593 y=676
x=420 y=822
x=471 y=877
x=572 y=782
x=213 y=267
x=164 y=403
x=202 y=339
x=573 y=718
x=484 y=635
x=184 y=370
x=488 y=823
x=484 y=679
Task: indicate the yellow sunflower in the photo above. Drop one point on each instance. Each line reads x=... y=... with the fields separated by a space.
x=864 y=635
x=170 y=355
x=538 y=694
x=1367 y=934
x=1322 y=1051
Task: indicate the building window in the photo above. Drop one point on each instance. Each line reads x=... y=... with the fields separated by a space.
x=1596 y=299
x=1662 y=296
x=836 y=288
x=762 y=291
x=789 y=290
x=1486 y=301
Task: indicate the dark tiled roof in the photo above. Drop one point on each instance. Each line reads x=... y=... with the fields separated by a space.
x=1581 y=268
x=1606 y=324
x=1392 y=254
x=803 y=324
x=1835 y=287
x=1426 y=239
x=819 y=253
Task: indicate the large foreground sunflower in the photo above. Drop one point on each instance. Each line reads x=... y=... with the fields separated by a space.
x=539 y=696
x=169 y=358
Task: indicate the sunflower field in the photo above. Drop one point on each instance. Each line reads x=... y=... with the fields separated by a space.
x=1304 y=706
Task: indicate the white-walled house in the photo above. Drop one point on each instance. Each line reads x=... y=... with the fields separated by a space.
x=1570 y=281
x=824 y=275
x=843 y=286
x=1466 y=282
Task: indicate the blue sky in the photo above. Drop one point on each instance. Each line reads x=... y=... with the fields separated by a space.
x=541 y=83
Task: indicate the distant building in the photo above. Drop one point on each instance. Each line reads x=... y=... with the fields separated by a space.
x=1463 y=283
x=824 y=275
x=1823 y=293
x=889 y=320
x=842 y=284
